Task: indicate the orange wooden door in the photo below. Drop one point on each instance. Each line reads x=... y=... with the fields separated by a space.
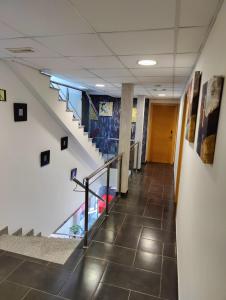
x=163 y=133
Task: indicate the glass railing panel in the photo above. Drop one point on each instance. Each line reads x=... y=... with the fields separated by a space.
x=97 y=204
x=73 y=227
x=75 y=102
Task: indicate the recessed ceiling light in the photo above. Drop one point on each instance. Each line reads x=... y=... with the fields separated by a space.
x=161 y=95
x=147 y=62
x=100 y=85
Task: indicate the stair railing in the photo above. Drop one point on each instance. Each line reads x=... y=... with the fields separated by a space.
x=86 y=186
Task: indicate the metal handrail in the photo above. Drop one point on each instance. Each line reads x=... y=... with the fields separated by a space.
x=83 y=186
x=108 y=163
x=71 y=87
x=133 y=145
x=91 y=103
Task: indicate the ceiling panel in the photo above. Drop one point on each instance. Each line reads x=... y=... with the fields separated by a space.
x=190 y=39
x=8 y=32
x=76 y=45
x=97 y=62
x=180 y=79
x=43 y=17
x=117 y=15
x=39 y=50
x=140 y=42
x=105 y=73
x=152 y=72
x=59 y=63
x=131 y=61
x=124 y=79
x=155 y=79
x=182 y=71
x=185 y=60
x=197 y=12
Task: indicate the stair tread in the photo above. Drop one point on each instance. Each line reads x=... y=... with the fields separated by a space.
x=4 y=230
x=18 y=232
x=46 y=248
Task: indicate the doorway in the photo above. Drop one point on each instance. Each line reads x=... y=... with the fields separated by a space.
x=162 y=133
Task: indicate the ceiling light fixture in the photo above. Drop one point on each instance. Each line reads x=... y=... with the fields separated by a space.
x=161 y=95
x=147 y=62
x=100 y=85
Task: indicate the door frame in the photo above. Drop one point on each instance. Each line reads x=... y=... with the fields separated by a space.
x=181 y=147
x=149 y=131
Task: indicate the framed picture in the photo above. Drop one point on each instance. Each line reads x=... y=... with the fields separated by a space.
x=73 y=173
x=105 y=109
x=45 y=158
x=2 y=95
x=64 y=143
x=193 y=103
x=209 y=117
x=20 y=112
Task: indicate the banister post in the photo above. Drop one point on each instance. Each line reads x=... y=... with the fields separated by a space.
x=86 y=220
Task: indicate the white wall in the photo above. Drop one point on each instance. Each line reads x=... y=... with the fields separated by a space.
x=31 y=196
x=201 y=214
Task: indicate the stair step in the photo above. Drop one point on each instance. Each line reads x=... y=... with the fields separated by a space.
x=39 y=234
x=5 y=230
x=54 y=88
x=18 y=232
x=30 y=233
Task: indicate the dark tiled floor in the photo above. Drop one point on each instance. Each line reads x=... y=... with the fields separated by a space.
x=132 y=256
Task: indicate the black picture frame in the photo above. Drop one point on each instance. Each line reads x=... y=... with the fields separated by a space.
x=20 y=112
x=2 y=95
x=44 y=158
x=64 y=143
x=73 y=173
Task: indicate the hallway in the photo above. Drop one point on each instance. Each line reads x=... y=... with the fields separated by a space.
x=131 y=257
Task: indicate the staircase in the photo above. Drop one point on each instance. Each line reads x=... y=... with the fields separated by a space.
x=39 y=85
x=56 y=250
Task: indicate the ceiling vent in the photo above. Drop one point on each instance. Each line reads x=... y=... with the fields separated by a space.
x=20 y=50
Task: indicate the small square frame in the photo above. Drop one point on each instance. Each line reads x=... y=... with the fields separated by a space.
x=44 y=158
x=73 y=173
x=20 y=112
x=64 y=143
x=2 y=95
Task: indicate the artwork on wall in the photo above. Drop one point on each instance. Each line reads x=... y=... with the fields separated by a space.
x=193 y=103
x=134 y=115
x=45 y=158
x=209 y=116
x=73 y=173
x=64 y=143
x=105 y=109
x=2 y=95
x=20 y=112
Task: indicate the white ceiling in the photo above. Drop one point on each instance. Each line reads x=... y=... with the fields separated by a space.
x=100 y=41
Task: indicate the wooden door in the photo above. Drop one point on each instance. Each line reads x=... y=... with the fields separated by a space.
x=163 y=129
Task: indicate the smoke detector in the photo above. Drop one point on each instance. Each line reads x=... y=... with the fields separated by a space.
x=20 y=50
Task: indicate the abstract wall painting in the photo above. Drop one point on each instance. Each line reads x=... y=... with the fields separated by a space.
x=45 y=158
x=20 y=112
x=2 y=95
x=209 y=117
x=105 y=109
x=64 y=143
x=193 y=103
